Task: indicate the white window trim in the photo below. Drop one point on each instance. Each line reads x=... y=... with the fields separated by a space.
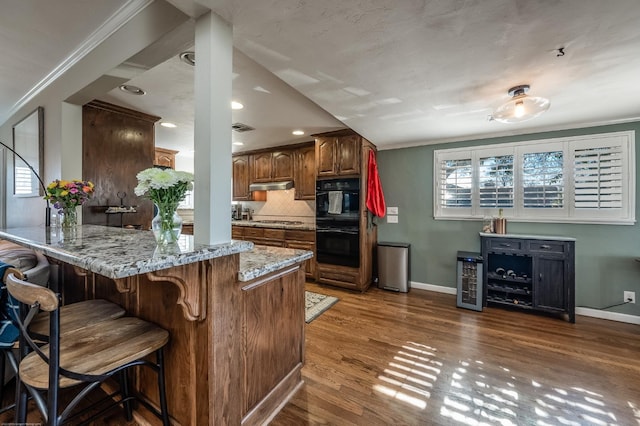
x=566 y=214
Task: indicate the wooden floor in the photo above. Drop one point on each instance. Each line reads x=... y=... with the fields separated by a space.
x=384 y=358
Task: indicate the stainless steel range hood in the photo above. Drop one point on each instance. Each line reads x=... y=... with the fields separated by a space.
x=271 y=186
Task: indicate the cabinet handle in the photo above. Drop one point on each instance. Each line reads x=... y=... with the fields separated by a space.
x=505 y=245
x=545 y=246
x=540 y=277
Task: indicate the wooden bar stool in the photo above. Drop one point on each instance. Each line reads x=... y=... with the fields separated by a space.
x=83 y=358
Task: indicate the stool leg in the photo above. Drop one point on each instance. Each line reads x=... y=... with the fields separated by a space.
x=124 y=390
x=3 y=361
x=161 y=388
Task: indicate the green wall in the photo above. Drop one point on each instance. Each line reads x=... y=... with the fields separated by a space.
x=605 y=254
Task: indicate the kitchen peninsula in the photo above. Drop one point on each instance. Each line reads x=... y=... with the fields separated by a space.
x=235 y=314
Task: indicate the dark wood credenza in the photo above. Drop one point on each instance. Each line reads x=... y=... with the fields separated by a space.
x=532 y=273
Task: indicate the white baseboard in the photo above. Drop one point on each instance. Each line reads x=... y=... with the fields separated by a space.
x=587 y=312
x=613 y=316
x=432 y=287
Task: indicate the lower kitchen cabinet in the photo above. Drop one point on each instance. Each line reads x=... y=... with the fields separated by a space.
x=277 y=237
x=530 y=273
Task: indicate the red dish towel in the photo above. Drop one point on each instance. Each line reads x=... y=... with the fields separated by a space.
x=375 y=196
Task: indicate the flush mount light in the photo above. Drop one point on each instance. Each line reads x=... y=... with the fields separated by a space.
x=297 y=132
x=132 y=90
x=167 y=124
x=521 y=107
x=238 y=143
x=236 y=105
x=188 y=57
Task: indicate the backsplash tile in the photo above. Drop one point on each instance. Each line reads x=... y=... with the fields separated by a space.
x=281 y=205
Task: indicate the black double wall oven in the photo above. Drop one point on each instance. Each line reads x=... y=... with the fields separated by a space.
x=338 y=221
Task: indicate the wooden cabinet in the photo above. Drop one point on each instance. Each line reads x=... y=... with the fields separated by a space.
x=275 y=237
x=240 y=166
x=305 y=173
x=272 y=166
x=273 y=334
x=165 y=158
x=530 y=274
x=338 y=155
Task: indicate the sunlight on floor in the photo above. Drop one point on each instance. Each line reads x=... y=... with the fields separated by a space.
x=636 y=410
x=411 y=375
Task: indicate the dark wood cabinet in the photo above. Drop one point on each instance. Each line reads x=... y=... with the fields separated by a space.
x=241 y=178
x=305 y=173
x=530 y=273
x=165 y=158
x=338 y=155
x=271 y=166
x=117 y=143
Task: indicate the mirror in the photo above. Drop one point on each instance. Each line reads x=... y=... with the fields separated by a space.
x=28 y=143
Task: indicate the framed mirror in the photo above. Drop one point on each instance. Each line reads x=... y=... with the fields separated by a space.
x=28 y=142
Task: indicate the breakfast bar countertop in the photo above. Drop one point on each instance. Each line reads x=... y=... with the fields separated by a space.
x=120 y=253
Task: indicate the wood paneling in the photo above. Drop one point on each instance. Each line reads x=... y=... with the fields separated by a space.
x=117 y=143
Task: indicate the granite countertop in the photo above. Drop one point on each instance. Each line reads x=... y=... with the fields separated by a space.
x=527 y=236
x=276 y=224
x=262 y=260
x=120 y=253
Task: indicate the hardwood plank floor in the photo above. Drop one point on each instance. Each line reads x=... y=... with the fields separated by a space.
x=383 y=358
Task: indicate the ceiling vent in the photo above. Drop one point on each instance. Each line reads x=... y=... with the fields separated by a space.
x=239 y=127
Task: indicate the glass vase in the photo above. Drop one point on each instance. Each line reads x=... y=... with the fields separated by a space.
x=68 y=217
x=167 y=224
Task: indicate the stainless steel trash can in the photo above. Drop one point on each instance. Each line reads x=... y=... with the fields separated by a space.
x=393 y=267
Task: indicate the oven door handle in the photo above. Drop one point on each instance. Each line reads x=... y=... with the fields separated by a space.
x=335 y=231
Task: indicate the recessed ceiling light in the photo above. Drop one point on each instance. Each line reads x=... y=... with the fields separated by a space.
x=236 y=105
x=188 y=57
x=132 y=90
x=238 y=143
x=167 y=124
x=297 y=132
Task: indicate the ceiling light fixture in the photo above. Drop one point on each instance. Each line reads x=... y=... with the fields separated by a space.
x=521 y=107
x=188 y=57
x=167 y=124
x=236 y=105
x=132 y=90
x=238 y=143
x=297 y=132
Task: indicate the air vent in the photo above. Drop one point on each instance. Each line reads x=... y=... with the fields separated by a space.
x=239 y=127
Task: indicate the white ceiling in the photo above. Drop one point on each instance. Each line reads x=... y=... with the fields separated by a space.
x=399 y=72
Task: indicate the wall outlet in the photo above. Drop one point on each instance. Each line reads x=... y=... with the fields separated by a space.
x=630 y=296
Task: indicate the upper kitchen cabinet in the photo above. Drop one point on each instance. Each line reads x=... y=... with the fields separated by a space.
x=165 y=158
x=272 y=166
x=305 y=172
x=241 y=178
x=338 y=154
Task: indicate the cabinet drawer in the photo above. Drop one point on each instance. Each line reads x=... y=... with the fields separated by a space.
x=253 y=232
x=505 y=244
x=237 y=232
x=338 y=278
x=548 y=246
x=274 y=234
x=291 y=235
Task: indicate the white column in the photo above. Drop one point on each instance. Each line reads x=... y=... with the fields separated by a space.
x=212 y=164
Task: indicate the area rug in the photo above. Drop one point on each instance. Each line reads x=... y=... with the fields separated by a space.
x=316 y=304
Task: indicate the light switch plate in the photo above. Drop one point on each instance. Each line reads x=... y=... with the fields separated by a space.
x=392 y=219
x=392 y=210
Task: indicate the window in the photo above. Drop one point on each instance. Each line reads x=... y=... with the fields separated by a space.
x=586 y=179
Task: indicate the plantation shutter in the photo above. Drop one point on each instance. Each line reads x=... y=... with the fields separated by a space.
x=496 y=181
x=542 y=180
x=599 y=177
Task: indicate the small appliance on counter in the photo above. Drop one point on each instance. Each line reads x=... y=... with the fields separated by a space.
x=236 y=211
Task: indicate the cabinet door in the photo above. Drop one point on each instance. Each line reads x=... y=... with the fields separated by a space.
x=305 y=173
x=348 y=154
x=273 y=328
x=326 y=156
x=550 y=291
x=165 y=158
x=282 y=166
x=241 y=178
x=262 y=166
x=310 y=265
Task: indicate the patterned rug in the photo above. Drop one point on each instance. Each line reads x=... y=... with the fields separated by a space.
x=316 y=304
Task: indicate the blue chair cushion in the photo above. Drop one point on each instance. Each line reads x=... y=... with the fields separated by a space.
x=8 y=331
